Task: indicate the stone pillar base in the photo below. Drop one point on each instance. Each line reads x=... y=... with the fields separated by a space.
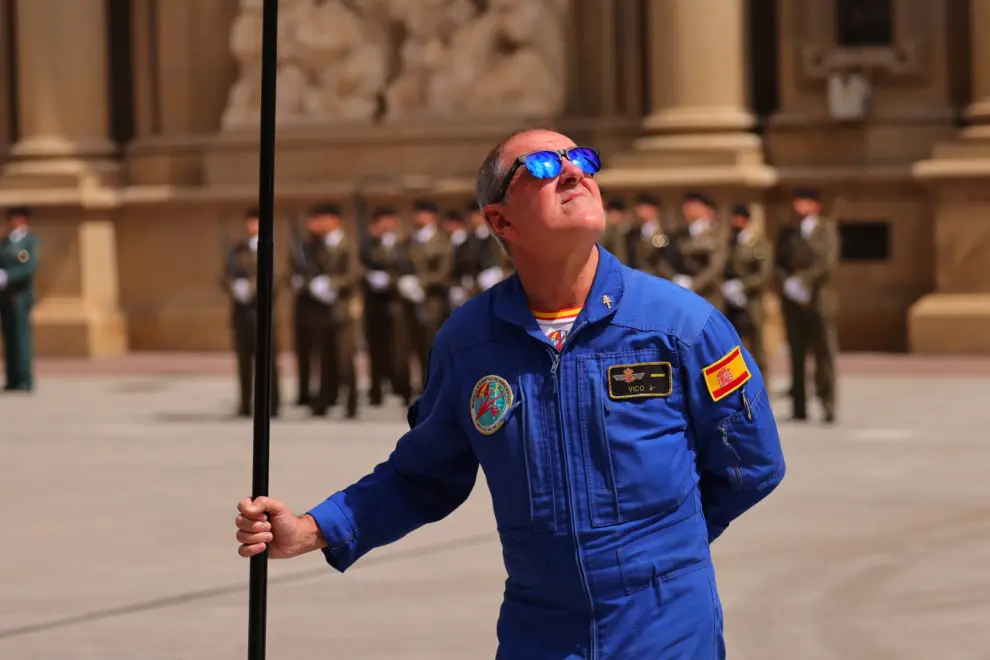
x=950 y=323
x=694 y=160
x=68 y=327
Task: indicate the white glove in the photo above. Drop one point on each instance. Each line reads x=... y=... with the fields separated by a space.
x=322 y=289
x=457 y=296
x=297 y=282
x=378 y=279
x=410 y=289
x=734 y=293
x=490 y=277
x=3 y=280
x=241 y=290
x=795 y=289
x=467 y=282
x=682 y=281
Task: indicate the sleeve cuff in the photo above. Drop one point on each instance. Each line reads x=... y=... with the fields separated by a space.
x=338 y=531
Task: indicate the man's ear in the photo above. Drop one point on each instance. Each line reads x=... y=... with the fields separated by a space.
x=497 y=222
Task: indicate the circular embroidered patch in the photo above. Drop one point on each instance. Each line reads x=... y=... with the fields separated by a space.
x=23 y=256
x=490 y=401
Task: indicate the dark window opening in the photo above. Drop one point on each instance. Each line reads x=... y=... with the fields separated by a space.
x=8 y=41
x=763 y=58
x=121 y=70
x=864 y=240
x=864 y=22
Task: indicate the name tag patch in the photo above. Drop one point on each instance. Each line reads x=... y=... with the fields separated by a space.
x=642 y=380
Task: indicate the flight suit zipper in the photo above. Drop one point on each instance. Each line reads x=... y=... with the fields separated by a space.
x=555 y=373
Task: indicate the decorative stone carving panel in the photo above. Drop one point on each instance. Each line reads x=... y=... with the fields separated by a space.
x=819 y=56
x=394 y=60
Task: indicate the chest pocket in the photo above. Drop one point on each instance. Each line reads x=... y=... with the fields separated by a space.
x=637 y=454
x=517 y=453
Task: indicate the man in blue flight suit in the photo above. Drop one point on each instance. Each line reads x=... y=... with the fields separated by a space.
x=620 y=424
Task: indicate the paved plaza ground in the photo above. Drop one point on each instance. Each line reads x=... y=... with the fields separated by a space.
x=120 y=480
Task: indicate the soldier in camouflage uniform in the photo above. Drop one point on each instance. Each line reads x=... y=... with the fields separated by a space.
x=305 y=321
x=465 y=269
x=382 y=262
x=240 y=279
x=807 y=253
x=747 y=275
x=332 y=287
x=425 y=283
x=650 y=241
x=700 y=250
x=617 y=228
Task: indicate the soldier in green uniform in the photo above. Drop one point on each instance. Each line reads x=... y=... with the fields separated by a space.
x=492 y=264
x=425 y=284
x=646 y=224
x=700 y=250
x=465 y=262
x=382 y=260
x=651 y=250
x=747 y=275
x=18 y=263
x=305 y=313
x=806 y=254
x=332 y=286
x=240 y=280
x=617 y=227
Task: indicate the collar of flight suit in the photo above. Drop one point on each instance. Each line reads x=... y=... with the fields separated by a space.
x=512 y=304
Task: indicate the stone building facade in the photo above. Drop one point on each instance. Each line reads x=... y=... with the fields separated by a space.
x=131 y=127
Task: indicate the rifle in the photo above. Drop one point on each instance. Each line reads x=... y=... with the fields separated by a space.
x=233 y=269
x=301 y=263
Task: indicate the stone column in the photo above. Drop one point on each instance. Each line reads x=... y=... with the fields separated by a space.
x=5 y=85
x=697 y=66
x=62 y=71
x=978 y=112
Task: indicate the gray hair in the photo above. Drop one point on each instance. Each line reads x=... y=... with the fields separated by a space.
x=492 y=172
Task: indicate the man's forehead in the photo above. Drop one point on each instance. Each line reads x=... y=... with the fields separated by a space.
x=530 y=141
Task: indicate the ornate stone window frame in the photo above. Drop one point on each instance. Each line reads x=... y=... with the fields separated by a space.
x=820 y=56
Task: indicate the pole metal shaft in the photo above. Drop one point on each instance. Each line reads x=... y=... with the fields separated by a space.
x=264 y=351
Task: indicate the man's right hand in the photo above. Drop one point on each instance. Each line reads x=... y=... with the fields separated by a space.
x=265 y=522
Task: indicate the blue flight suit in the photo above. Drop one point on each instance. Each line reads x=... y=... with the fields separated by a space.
x=606 y=493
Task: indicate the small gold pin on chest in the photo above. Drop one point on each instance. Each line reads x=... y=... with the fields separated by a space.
x=607 y=302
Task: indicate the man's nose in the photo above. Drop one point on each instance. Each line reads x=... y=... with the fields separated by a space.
x=570 y=173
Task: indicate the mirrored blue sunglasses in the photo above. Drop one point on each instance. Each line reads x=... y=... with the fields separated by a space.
x=548 y=164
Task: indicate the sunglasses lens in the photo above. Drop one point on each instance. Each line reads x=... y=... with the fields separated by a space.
x=543 y=164
x=586 y=159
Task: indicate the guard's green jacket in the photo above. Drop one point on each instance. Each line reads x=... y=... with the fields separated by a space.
x=18 y=261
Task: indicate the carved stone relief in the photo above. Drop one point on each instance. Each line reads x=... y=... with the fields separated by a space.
x=393 y=60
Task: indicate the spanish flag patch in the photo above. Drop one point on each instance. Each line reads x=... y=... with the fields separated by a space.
x=727 y=375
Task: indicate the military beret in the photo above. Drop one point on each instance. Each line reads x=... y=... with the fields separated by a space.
x=615 y=204
x=740 y=209
x=646 y=198
x=251 y=213
x=701 y=198
x=382 y=211
x=425 y=205
x=18 y=212
x=807 y=193
x=453 y=216
x=326 y=209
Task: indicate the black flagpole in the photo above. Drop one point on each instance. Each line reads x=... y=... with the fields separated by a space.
x=258 y=597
